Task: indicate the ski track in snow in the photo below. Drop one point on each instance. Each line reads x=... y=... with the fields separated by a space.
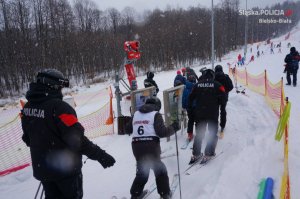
x=250 y=128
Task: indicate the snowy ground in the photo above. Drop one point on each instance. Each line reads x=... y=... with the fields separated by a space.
x=252 y=152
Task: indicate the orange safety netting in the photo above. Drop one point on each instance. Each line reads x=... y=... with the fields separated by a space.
x=260 y=84
x=15 y=155
x=256 y=83
x=274 y=95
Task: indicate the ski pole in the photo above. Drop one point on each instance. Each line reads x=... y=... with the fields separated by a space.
x=178 y=159
x=42 y=194
x=38 y=190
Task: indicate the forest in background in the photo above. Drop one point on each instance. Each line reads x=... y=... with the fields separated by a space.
x=84 y=42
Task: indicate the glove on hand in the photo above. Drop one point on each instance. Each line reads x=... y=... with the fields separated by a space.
x=175 y=126
x=106 y=160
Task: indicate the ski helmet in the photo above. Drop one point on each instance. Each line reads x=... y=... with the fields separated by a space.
x=218 y=68
x=155 y=101
x=52 y=78
x=150 y=75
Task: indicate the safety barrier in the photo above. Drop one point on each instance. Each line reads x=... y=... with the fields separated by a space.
x=274 y=95
x=15 y=155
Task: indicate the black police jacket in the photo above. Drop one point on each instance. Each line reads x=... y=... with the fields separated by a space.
x=54 y=135
x=208 y=95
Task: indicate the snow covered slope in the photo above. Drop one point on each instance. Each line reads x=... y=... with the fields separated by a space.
x=253 y=153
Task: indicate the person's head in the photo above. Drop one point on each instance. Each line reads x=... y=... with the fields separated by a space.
x=208 y=74
x=155 y=102
x=218 y=68
x=183 y=70
x=150 y=75
x=293 y=49
x=52 y=78
x=178 y=72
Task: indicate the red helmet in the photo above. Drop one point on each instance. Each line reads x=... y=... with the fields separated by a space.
x=183 y=70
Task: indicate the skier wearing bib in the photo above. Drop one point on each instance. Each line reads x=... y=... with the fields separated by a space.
x=147 y=128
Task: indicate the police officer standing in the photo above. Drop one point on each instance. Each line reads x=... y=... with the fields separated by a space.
x=56 y=138
x=225 y=80
x=207 y=95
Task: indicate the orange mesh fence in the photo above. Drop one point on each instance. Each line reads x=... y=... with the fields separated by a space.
x=256 y=83
x=8 y=115
x=241 y=76
x=15 y=155
x=274 y=95
x=95 y=123
x=260 y=84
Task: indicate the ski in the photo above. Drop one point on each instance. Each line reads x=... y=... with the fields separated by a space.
x=115 y=197
x=174 y=184
x=202 y=163
x=191 y=165
x=186 y=144
x=150 y=190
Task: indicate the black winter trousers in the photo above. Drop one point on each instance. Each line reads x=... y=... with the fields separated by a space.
x=223 y=115
x=288 y=76
x=191 y=121
x=147 y=155
x=68 y=188
x=212 y=137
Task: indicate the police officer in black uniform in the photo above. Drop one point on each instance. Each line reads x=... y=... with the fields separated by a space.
x=207 y=95
x=56 y=138
x=225 y=80
x=147 y=127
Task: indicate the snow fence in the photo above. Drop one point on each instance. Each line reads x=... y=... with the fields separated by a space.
x=15 y=155
x=274 y=95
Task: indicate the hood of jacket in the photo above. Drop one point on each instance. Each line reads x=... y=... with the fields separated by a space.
x=39 y=93
x=147 y=108
x=219 y=73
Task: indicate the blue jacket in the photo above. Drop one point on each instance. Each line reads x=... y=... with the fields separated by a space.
x=179 y=78
x=186 y=93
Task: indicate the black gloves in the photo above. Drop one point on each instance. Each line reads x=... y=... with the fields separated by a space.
x=106 y=160
x=175 y=126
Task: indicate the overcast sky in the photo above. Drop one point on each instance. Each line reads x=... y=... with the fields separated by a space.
x=141 y=5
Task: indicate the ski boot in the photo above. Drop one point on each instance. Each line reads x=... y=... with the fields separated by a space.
x=166 y=196
x=207 y=158
x=195 y=158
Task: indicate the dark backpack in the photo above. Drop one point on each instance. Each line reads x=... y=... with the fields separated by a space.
x=225 y=81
